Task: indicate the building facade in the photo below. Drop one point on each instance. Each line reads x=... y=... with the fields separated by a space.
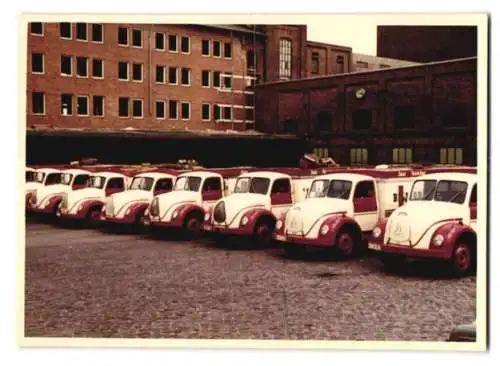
x=164 y=77
x=417 y=114
x=362 y=62
x=426 y=43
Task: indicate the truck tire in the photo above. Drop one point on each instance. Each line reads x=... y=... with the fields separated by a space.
x=192 y=226
x=93 y=217
x=463 y=259
x=262 y=234
x=345 y=244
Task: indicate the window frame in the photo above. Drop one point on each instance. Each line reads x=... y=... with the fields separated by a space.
x=133 y=33
x=188 y=76
x=209 y=48
x=32 y=103
x=213 y=48
x=86 y=67
x=128 y=107
x=43 y=64
x=71 y=106
x=163 y=68
x=218 y=86
x=37 y=34
x=118 y=36
x=102 y=106
x=185 y=102
x=231 y=50
x=70 y=65
x=209 y=83
x=230 y=113
x=92 y=33
x=188 y=52
x=142 y=108
x=78 y=106
x=128 y=71
x=176 y=109
x=176 y=43
x=86 y=32
x=70 y=30
x=285 y=54
x=209 y=112
x=361 y=150
x=142 y=73
x=164 y=109
x=176 y=75
x=164 y=41
x=402 y=149
x=102 y=68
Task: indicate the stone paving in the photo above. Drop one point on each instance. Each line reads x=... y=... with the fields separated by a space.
x=86 y=283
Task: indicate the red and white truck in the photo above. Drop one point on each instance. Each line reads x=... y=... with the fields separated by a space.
x=342 y=209
x=193 y=195
x=86 y=204
x=46 y=199
x=437 y=222
x=42 y=177
x=258 y=199
x=128 y=207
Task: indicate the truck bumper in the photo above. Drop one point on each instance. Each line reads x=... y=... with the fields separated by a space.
x=415 y=253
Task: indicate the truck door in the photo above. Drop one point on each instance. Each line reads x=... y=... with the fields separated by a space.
x=114 y=185
x=473 y=203
x=365 y=205
x=80 y=181
x=163 y=185
x=281 y=196
x=212 y=189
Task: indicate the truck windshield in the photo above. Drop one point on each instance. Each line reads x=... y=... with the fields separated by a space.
x=252 y=185
x=96 y=182
x=142 y=183
x=442 y=191
x=330 y=188
x=66 y=178
x=53 y=178
x=187 y=184
x=39 y=176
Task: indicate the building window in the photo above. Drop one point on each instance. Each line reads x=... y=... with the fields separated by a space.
x=38 y=103
x=97 y=33
x=81 y=67
x=205 y=112
x=66 y=104
x=321 y=152
x=136 y=72
x=361 y=64
x=37 y=64
x=249 y=115
x=172 y=75
x=404 y=117
x=228 y=80
x=205 y=78
x=340 y=63
x=98 y=105
x=97 y=69
x=82 y=107
x=185 y=110
x=137 y=108
x=172 y=42
x=451 y=155
x=66 y=65
x=185 y=76
x=216 y=48
x=205 y=47
x=185 y=44
x=136 y=38
x=216 y=112
x=228 y=113
x=315 y=63
x=65 y=30
x=172 y=109
x=228 y=50
x=216 y=79
x=401 y=155
x=123 y=36
x=123 y=106
x=160 y=74
x=362 y=119
x=36 y=28
x=160 y=41
x=81 y=31
x=285 y=59
x=359 y=156
x=384 y=66
x=160 y=109
x=122 y=71
x=251 y=61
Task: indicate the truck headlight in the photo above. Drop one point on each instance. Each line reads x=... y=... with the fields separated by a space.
x=174 y=215
x=324 y=229
x=376 y=232
x=279 y=224
x=438 y=240
x=244 y=221
x=207 y=216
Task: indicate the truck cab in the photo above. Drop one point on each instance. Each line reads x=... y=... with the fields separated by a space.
x=46 y=199
x=438 y=221
x=128 y=207
x=341 y=210
x=42 y=177
x=86 y=204
x=193 y=194
x=257 y=200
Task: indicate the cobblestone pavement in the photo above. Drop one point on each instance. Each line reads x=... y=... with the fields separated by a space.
x=85 y=283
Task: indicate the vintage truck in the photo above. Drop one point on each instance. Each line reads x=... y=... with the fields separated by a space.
x=342 y=209
x=43 y=177
x=46 y=199
x=438 y=222
x=86 y=204
x=258 y=199
x=128 y=207
x=193 y=195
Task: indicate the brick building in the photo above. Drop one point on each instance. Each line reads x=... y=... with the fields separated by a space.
x=417 y=114
x=164 y=77
x=426 y=43
x=362 y=62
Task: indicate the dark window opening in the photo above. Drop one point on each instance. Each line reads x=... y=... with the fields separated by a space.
x=185 y=110
x=36 y=28
x=123 y=106
x=115 y=183
x=228 y=50
x=404 y=117
x=97 y=33
x=81 y=66
x=81 y=31
x=281 y=186
x=251 y=59
x=216 y=80
x=172 y=109
x=164 y=185
x=160 y=109
x=315 y=63
x=82 y=106
x=249 y=115
x=137 y=108
x=66 y=65
x=122 y=70
x=38 y=102
x=205 y=112
x=454 y=115
x=172 y=75
x=185 y=44
x=212 y=184
x=216 y=49
x=66 y=104
x=473 y=196
x=97 y=68
x=185 y=76
x=205 y=78
x=216 y=112
x=172 y=43
x=228 y=113
x=205 y=47
x=98 y=105
x=137 y=72
x=160 y=74
x=65 y=30
x=160 y=41
x=362 y=119
x=37 y=62
x=123 y=36
x=228 y=80
x=364 y=189
x=136 y=37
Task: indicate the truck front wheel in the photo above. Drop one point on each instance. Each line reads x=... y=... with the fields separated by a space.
x=463 y=259
x=263 y=234
x=345 y=244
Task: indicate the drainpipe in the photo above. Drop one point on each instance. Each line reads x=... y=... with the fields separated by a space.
x=150 y=74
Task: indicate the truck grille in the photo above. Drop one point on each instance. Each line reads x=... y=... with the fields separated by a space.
x=220 y=212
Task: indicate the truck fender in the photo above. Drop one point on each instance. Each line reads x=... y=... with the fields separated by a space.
x=340 y=223
x=89 y=205
x=187 y=209
x=257 y=214
x=452 y=232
